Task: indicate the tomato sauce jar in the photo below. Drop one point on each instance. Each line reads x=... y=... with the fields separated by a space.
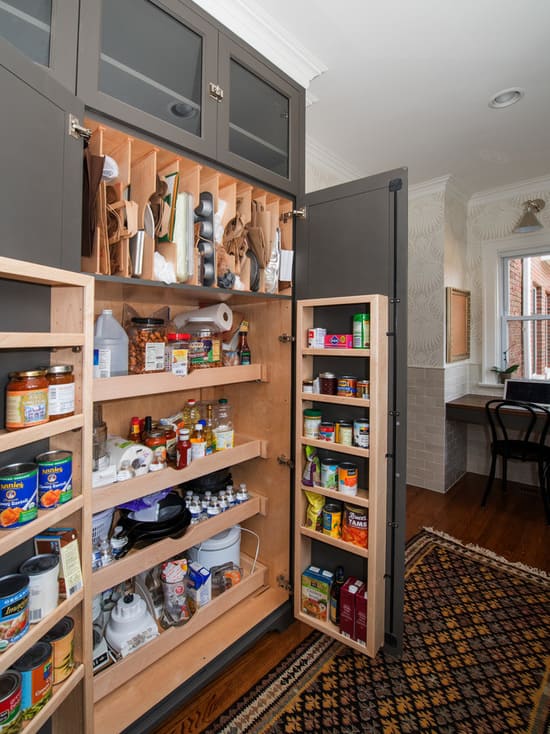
x=26 y=399
x=60 y=391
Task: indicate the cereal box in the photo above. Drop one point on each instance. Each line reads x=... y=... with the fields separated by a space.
x=316 y=584
x=348 y=595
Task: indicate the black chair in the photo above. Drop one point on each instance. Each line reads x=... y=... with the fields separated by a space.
x=518 y=431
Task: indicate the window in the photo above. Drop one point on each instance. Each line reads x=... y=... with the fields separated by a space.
x=524 y=314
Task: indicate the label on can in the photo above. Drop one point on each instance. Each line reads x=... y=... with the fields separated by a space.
x=55 y=478
x=18 y=494
x=347 y=386
x=329 y=473
x=347 y=478
x=355 y=526
x=14 y=608
x=10 y=700
x=326 y=431
x=363 y=389
x=61 y=638
x=36 y=670
x=332 y=519
x=361 y=433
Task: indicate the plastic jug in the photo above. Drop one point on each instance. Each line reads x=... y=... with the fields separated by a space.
x=110 y=346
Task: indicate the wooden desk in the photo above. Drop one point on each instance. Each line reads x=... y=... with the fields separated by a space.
x=468 y=408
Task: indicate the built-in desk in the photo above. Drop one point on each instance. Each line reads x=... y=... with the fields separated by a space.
x=469 y=408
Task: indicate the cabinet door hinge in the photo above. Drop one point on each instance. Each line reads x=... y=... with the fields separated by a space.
x=282 y=459
x=286 y=338
x=215 y=91
x=78 y=131
x=284 y=583
x=396 y=184
x=298 y=213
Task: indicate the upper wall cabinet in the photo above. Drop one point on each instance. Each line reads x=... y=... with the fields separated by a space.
x=165 y=69
x=46 y=32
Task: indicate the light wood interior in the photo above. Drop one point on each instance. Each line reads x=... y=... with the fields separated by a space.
x=373 y=494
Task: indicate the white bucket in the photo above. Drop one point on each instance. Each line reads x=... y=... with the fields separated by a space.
x=225 y=547
x=101 y=524
x=43 y=572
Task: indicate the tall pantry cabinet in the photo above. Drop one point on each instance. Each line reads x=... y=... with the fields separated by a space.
x=229 y=123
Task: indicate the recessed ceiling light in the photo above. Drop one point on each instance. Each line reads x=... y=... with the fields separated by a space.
x=506 y=97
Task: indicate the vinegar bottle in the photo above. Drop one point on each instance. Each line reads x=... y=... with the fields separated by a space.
x=335 y=595
x=243 y=349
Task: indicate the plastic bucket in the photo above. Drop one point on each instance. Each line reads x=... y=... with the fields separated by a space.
x=225 y=547
x=101 y=524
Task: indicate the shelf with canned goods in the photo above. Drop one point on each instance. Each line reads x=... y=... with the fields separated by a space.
x=339 y=352
x=361 y=498
x=110 y=495
x=335 y=542
x=162 y=550
x=169 y=641
x=60 y=694
x=335 y=399
x=339 y=448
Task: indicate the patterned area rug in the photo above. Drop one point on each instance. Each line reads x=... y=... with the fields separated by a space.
x=476 y=659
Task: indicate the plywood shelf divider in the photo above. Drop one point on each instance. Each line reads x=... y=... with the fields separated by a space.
x=338 y=448
x=361 y=499
x=332 y=631
x=308 y=351
x=39 y=340
x=9 y=539
x=116 y=388
x=60 y=694
x=111 y=678
x=335 y=399
x=15 y=439
x=38 y=630
x=119 y=492
x=336 y=542
x=141 y=560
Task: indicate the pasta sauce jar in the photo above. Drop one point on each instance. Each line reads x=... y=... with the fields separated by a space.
x=26 y=399
x=60 y=391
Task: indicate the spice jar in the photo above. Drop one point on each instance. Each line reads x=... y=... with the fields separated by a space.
x=204 y=349
x=60 y=391
x=146 y=344
x=26 y=399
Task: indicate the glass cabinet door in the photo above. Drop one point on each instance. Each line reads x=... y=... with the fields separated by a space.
x=259 y=118
x=147 y=66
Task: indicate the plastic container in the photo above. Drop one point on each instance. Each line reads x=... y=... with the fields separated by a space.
x=223 y=429
x=101 y=525
x=225 y=547
x=147 y=344
x=110 y=346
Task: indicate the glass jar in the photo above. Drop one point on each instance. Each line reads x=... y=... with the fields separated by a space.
x=312 y=422
x=176 y=356
x=204 y=349
x=327 y=383
x=61 y=391
x=146 y=345
x=156 y=441
x=26 y=399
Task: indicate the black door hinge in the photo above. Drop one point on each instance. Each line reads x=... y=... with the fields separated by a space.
x=396 y=184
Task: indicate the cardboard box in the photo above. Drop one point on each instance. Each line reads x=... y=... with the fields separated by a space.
x=316 y=585
x=348 y=596
x=361 y=616
x=198 y=586
x=339 y=341
x=64 y=542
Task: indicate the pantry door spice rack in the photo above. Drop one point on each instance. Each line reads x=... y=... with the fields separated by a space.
x=71 y=337
x=372 y=495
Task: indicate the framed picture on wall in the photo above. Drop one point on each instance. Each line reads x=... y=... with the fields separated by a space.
x=458 y=324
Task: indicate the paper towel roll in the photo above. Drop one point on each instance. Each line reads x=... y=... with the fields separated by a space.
x=220 y=316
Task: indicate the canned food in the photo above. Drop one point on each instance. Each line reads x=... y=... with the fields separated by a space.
x=36 y=671
x=332 y=519
x=361 y=331
x=61 y=638
x=26 y=399
x=328 y=383
x=355 y=525
x=10 y=701
x=347 y=386
x=14 y=608
x=361 y=433
x=347 y=478
x=18 y=494
x=307 y=385
x=344 y=433
x=329 y=473
x=43 y=573
x=363 y=389
x=55 y=478
x=312 y=422
x=326 y=431
x=316 y=338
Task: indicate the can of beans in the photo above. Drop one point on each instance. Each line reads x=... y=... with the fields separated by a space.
x=61 y=638
x=361 y=433
x=347 y=478
x=329 y=473
x=347 y=386
x=18 y=494
x=10 y=701
x=14 y=608
x=332 y=519
x=363 y=389
x=326 y=431
x=36 y=671
x=55 y=478
x=344 y=433
x=355 y=525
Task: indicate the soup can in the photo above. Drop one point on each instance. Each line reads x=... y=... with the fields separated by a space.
x=14 y=608
x=18 y=494
x=35 y=667
x=329 y=473
x=361 y=433
x=363 y=389
x=347 y=386
x=344 y=433
x=43 y=573
x=326 y=431
x=55 y=478
x=355 y=525
x=332 y=519
x=61 y=638
x=347 y=478
x=10 y=701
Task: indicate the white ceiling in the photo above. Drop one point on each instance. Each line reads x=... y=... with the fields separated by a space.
x=408 y=83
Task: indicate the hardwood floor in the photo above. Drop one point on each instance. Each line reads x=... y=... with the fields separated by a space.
x=511 y=525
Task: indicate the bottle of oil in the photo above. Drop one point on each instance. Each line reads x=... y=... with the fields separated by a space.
x=198 y=444
x=335 y=595
x=243 y=349
x=209 y=435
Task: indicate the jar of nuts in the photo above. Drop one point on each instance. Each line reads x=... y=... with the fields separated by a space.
x=146 y=344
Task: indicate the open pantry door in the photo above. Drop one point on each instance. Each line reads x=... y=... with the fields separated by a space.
x=353 y=241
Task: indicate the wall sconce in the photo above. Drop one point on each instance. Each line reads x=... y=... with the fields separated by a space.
x=529 y=221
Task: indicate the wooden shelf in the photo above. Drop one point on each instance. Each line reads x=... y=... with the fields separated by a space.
x=140 y=560
x=337 y=448
x=336 y=542
x=332 y=631
x=335 y=399
x=39 y=340
x=309 y=352
x=361 y=499
x=24 y=436
x=38 y=630
x=9 y=539
x=116 y=675
x=119 y=492
x=130 y=386
x=60 y=693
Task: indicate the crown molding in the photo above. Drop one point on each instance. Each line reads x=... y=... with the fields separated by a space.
x=526 y=188
x=320 y=157
x=426 y=188
x=262 y=32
